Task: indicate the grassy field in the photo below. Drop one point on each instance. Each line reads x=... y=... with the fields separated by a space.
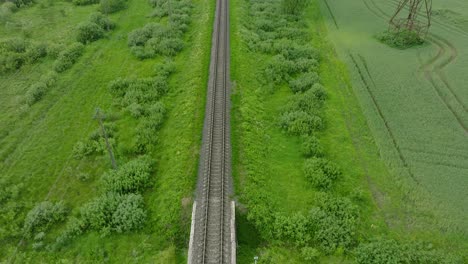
x=36 y=142
x=416 y=106
x=374 y=175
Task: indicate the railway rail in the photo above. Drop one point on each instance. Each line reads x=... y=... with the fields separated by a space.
x=212 y=232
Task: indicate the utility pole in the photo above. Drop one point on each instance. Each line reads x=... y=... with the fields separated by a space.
x=100 y=116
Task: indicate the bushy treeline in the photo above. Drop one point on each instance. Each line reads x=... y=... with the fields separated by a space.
x=120 y=207
x=165 y=39
x=18 y=3
x=105 y=6
x=16 y=52
x=94 y=28
x=68 y=57
x=276 y=28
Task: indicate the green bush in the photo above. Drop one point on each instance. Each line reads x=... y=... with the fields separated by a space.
x=334 y=224
x=112 y=6
x=39 y=89
x=294 y=7
x=129 y=214
x=85 y=2
x=310 y=254
x=82 y=149
x=295 y=228
x=300 y=123
x=155 y=39
x=139 y=91
x=401 y=40
x=20 y=3
x=35 y=93
x=321 y=172
x=380 y=251
x=16 y=52
x=89 y=32
x=133 y=176
x=304 y=82
x=114 y=212
x=42 y=216
x=35 y=52
x=311 y=147
x=102 y=21
x=68 y=57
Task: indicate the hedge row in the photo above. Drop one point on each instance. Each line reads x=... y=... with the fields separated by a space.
x=16 y=52
x=105 y=6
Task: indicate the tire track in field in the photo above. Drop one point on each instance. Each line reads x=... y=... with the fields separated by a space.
x=331 y=14
x=434 y=66
x=440 y=163
x=380 y=112
x=431 y=152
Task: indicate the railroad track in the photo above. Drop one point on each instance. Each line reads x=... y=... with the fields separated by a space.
x=212 y=224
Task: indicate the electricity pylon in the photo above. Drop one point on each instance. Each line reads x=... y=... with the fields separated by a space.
x=413 y=16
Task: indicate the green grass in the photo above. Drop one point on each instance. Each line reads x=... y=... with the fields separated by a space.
x=36 y=143
x=261 y=148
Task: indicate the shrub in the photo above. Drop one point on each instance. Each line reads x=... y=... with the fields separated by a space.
x=294 y=7
x=89 y=32
x=311 y=147
x=304 y=82
x=112 y=6
x=278 y=69
x=82 y=149
x=155 y=39
x=129 y=214
x=39 y=89
x=380 y=251
x=35 y=93
x=35 y=52
x=320 y=172
x=300 y=123
x=102 y=21
x=295 y=228
x=16 y=52
x=401 y=40
x=9 y=6
x=68 y=57
x=85 y=2
x=133 y=176
x=82 y=176
x=20 y=3
x=334 y=224
x=42 y=216
x=310 y=102
x=114 y=212
x=139 y=91
x=310 y=254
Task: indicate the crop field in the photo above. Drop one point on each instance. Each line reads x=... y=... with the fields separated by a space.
x=415 y=99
